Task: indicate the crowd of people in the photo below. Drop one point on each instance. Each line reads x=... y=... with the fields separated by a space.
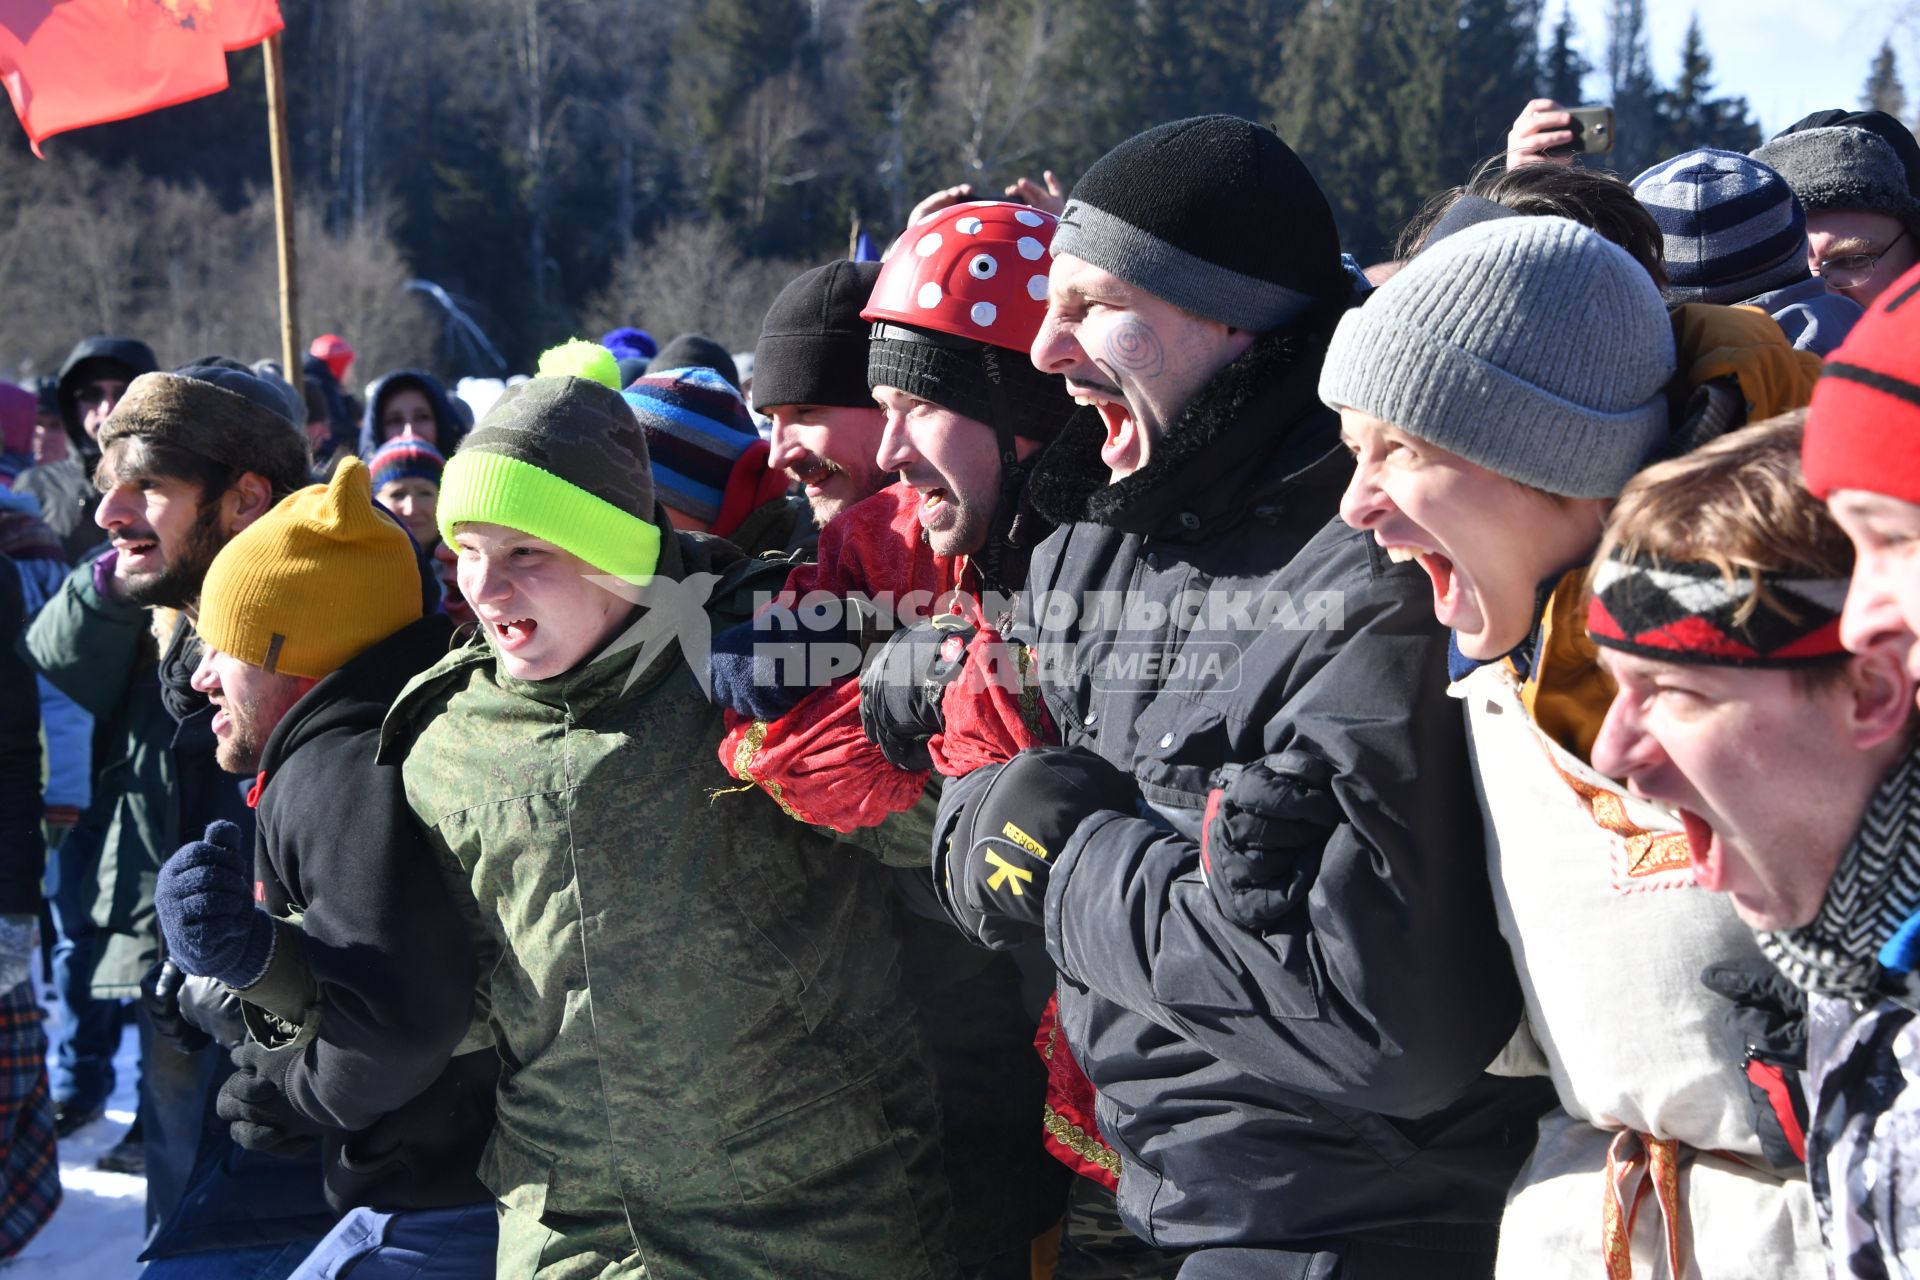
x=1121 y=743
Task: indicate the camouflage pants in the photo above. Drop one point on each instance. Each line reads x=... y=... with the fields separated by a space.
x=1096 y=1244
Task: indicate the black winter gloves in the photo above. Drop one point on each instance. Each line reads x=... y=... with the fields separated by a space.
x=901 y=689
x=1769 y=1015
x=204 y=898
x=254 y=1104
x=991 y=872
x=189 y=1012
x=1264 y=828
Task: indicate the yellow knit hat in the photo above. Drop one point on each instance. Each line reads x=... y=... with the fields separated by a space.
x=314 y=583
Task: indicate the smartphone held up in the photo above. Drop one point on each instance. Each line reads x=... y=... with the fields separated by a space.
x=1592 y=132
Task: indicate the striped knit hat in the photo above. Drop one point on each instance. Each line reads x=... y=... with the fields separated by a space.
x=560 y=458
x=697 y=428
x=1863 y=427
x=1733 y=228
x=405 y=457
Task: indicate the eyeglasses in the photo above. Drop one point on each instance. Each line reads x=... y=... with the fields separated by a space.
x=1855 y=268
x=96 y=392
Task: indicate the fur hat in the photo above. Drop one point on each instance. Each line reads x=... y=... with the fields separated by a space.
x=1844 y=167
x=227 y=415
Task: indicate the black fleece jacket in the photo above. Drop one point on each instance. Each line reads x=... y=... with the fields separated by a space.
x=402 y=1120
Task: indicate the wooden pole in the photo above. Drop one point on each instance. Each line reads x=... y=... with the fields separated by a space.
x=283 y=209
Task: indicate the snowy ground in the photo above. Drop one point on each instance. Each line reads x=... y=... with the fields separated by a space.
x=96 y=1232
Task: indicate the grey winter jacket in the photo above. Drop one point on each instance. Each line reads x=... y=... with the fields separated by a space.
x=1813 y=318
x=1289 y=1047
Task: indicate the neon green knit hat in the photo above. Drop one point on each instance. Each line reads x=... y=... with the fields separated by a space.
x=563 y=459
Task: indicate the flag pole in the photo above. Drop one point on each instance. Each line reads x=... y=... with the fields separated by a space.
x=853 y=239
x=283 y=208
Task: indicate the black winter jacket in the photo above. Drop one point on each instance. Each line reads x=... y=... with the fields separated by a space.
x=22 y=851
x=65 y=488
x=1286 y=1067
x=402 y=1126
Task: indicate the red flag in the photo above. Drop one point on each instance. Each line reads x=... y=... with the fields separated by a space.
x=72 y=63
x=239 y=24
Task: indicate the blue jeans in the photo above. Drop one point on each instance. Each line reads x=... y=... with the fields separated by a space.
x=419 y=1244
x=81 y=1072
x=255 y=1262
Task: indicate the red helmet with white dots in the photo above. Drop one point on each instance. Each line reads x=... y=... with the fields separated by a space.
x=975 y=270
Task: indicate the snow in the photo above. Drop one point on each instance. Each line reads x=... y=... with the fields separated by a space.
x=97 y=1231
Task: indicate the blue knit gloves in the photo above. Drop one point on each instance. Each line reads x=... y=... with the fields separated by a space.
x=204 y=898
x=763 y=670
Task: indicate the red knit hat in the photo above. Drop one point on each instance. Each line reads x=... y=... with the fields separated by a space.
x=1863 y=427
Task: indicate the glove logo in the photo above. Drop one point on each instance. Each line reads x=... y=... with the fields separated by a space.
x=1025 y=841
x=1007 y=874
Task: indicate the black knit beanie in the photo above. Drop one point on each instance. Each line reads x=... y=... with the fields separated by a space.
x=813 y=346
x=696 y=351
x=1214 y=214
x=962 y=375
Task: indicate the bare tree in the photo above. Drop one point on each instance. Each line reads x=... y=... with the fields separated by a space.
x=691 y=279
x=998 y=75
x=780 y=136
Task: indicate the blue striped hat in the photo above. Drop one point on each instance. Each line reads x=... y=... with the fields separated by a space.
x=697 y=427
x=1733 y=228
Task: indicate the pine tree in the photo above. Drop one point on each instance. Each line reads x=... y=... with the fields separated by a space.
x=1690 y=116
x=1389 y=104
x=1636 y=94
x=1883 y=91
x=1562 y=68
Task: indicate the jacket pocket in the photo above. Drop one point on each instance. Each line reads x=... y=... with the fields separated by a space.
x=1374 y=1132
x=798 y=961
x=822 y=1135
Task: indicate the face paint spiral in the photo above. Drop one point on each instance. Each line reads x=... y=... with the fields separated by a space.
x=1136 y=348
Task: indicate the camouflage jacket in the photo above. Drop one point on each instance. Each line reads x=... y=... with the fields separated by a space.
x=696 y=1000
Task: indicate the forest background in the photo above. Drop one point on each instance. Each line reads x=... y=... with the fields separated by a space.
x=564 y=166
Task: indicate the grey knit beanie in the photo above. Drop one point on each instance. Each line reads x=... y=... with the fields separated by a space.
x=1531 y=346
x=1843 y=167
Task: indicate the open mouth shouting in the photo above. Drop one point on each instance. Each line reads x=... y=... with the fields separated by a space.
x=936 y=509
x=1121 y=451
x=1446 y=581
x=139 y=553
x=512 y=634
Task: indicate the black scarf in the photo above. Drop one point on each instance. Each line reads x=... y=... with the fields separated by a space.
x=1875 y=890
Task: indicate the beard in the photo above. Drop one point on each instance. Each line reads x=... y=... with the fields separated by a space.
x=241 y=750
x=177 y=585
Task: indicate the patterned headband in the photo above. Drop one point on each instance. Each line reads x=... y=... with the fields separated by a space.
x=1684 y=611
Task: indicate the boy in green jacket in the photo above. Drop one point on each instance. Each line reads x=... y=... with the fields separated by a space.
x=708 y=1068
